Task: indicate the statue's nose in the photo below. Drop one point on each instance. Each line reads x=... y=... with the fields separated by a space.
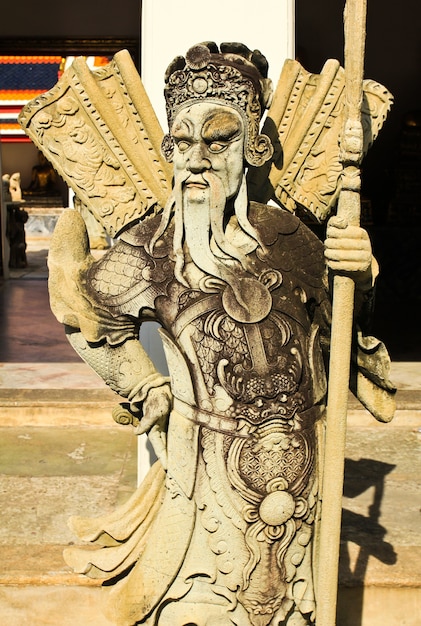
x=198 y=161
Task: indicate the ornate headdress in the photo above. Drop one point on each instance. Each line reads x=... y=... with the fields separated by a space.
x=234 y=76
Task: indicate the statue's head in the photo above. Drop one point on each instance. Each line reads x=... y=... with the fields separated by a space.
x=215 y=99
x=232 y=76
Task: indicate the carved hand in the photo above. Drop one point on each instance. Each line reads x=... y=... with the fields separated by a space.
x=156 y=409
x=348 y=251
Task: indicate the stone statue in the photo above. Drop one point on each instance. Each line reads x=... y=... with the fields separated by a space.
x=11 y=187
x=14 y=187
x=224 y=528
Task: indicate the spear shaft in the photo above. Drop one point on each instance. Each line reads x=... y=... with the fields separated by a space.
x=342 y=323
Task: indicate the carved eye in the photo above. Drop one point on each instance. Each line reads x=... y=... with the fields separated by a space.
x=217 y=147
x=183 y=145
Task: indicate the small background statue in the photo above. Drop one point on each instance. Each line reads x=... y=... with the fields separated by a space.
x=14 y=187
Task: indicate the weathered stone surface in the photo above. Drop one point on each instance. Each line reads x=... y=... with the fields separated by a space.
x=224 y=525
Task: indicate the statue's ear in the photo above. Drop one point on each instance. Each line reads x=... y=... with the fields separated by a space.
x=167 y=148
x=260 y=151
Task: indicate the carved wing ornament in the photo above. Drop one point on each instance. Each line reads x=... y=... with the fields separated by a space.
x=305 y=122
x=101 y=134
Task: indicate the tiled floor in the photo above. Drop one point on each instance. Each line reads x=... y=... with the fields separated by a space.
x=28 y=330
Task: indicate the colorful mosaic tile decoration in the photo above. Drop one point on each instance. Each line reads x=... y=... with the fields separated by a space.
x=22 y=78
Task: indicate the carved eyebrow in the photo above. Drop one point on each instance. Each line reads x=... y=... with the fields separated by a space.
x=182 y=129
x=222 y=127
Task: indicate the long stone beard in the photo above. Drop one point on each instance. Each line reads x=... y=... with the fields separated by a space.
x=199 y=215
x=203 y=219
x=199 y=222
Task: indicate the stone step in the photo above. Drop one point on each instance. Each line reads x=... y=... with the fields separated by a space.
x=53 y=605
x=43 y=592
x=93 y=407
x=38 y=589
x=57 y=407
x=46 y=476
x=61 y=454
x=49 y=474
x=54 y=394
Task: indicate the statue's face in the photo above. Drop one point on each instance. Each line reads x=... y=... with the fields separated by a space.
x=208 y=137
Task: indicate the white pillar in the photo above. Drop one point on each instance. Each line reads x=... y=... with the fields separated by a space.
x=169 y=28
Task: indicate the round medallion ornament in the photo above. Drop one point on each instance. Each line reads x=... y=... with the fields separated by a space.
x=249 y=303
x=200 y=85
x=277 y=508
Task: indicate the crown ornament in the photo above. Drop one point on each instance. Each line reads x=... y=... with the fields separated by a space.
x=235 y=77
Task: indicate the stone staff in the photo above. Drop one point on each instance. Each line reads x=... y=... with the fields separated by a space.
x=342 y=320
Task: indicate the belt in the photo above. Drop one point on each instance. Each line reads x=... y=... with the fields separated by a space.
x=229 y=425
x=214 y=421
